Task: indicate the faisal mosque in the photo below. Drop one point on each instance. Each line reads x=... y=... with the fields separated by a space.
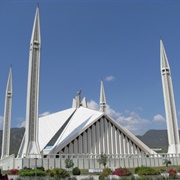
x=78 y=130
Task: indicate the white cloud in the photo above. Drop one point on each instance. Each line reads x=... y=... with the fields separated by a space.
x=109 y=78
x=22 y=124
x=112 y=112
x=133 y=122
x=44 y=114
x=159 y=118
x=93 y=105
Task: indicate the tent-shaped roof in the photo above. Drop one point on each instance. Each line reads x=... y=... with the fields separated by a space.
x=64 y=127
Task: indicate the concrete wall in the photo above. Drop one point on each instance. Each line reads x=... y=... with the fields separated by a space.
x=90 y=161
x=7 y=163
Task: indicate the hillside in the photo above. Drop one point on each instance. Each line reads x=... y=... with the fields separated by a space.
x=152 y=138
x=15 y=139
x=155 y=138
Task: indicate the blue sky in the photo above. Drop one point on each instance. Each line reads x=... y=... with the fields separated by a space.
x=86 y=41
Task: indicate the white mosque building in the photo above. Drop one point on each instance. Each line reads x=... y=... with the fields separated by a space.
x=78 y=130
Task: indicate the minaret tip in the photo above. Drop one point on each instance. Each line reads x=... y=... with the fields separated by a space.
x=163 y=58
x=36 y=34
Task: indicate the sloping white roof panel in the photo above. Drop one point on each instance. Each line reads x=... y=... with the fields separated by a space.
x=50 y=124
x=82 y=118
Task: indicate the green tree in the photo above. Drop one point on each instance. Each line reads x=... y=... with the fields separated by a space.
x=167 y=162
x=103 y=159
x=69 y=163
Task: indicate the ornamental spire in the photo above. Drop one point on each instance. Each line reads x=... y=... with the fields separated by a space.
x=102 y=101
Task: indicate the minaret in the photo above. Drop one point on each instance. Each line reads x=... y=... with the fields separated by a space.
x=30 y=146
x=102 y=101
x=7 y=118
x=169 y=102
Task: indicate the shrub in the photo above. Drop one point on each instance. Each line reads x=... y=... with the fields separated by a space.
x=26 y=168
x=13 y=171
x=178 y=170
x=69 y=163
x=162 y=170
x=172 y=171
x=122 y=172
x=106 y=172
x=63 y=173
x=25 y=172
x=41 y=168
x=58 y=172
x=31 y=172
x=54 y=172
x=146 y=171
x=40 y=172
x=76 y=171
x=49 y=173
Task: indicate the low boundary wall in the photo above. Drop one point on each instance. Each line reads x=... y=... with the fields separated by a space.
x=90 y=161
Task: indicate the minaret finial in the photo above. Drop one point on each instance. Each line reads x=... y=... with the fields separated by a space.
x=78 y=100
